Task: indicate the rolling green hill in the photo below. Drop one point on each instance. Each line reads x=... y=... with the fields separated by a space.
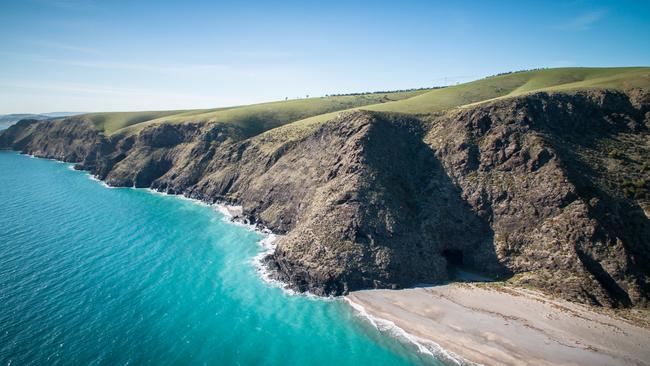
x=113 y=121
x=480 y=91
x=292 y=118
x=253 y=119
x=518 y=83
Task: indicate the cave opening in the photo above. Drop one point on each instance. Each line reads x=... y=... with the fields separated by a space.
x=454 y=257
x=460 y=269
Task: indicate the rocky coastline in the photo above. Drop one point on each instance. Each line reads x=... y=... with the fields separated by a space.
x=534 y=189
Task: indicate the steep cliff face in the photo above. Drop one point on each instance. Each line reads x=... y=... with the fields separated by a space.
x=549 y=189
x=386 y=214
x=540 y=171
x=71 y=141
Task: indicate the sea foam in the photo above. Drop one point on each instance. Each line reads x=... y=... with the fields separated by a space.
x=423 y=346
x=233 y=214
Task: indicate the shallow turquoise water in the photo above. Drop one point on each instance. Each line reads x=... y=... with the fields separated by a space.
x=90 y=275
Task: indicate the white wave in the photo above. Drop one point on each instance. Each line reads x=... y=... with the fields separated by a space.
x=233 y=215
x=231 y=212
x=94 y=178
x=267 y=247
x=90 y=176
x=423 y=346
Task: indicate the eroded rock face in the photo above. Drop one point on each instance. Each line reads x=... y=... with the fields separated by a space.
x=536 y=169
x=72 y=141
x=535 y=187
x=383 y=215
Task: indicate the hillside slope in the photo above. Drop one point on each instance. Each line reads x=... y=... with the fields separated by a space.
x=550 y=190
x=519 y=83
x=250 y=119
x=484 y=90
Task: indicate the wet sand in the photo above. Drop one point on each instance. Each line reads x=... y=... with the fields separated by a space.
x=508 y=326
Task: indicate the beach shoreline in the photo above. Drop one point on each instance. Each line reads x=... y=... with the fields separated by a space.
x=478 y=324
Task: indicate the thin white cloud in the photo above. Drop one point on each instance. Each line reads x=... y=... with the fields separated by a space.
x=169 y=69
x=79 y=88
x=583 y=21
x=67 y=47
x=261 y=54
x=165 y=69
x=119 y=65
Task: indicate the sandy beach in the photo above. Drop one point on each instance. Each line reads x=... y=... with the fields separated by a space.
x=508 y=326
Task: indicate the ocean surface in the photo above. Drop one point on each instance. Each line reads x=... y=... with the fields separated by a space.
x=97 y=276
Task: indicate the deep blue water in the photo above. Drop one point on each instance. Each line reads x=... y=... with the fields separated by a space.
x=91 y=275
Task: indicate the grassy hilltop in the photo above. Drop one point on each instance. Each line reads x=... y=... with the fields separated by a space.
x=254 y=119
x=297 y=116
x=518 y=83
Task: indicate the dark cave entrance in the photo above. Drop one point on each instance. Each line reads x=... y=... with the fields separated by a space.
x=455 y=263
x=454 y=257
x=459 y=269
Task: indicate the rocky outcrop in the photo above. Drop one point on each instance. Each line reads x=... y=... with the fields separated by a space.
x=536 y=189
x=538 y=171
x=70 y=140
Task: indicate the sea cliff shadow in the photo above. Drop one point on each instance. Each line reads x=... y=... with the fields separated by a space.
x=463 y=235
x=439 y=235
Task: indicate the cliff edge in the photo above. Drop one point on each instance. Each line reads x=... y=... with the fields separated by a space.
x=549 y=190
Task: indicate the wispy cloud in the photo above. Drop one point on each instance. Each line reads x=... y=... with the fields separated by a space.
x=261 y=54
x=582 y=22
x=80 y=88
x=188 y=69
x=67 y=47
x=165 y=69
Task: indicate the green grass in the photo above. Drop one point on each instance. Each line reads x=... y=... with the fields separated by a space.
x=479 y=91
x=113 y=121
x=515 y=84
x=293 y=118
x=257 y=118
x=252 y=119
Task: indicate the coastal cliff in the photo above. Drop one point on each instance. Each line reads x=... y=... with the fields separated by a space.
x=547 y=190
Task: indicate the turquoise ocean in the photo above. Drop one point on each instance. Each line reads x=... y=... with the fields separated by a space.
x=97 y=276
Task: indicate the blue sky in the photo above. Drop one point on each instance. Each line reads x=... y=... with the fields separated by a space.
x=85 y=55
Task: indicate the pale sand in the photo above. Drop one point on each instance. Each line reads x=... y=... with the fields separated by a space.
x=509 y=326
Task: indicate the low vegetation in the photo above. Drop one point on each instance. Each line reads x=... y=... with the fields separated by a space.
x=252 y=119
x=501 y=86
x=292 y=118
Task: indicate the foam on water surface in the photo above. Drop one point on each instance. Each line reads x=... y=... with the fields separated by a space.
x=123 y=276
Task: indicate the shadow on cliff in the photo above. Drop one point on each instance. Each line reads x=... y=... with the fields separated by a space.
x=622 y=227
x=436 y=235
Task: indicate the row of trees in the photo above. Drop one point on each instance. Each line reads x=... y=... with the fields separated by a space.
x=374 y=92
x=383 y=91
x=516 y=72
x=415 y=89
